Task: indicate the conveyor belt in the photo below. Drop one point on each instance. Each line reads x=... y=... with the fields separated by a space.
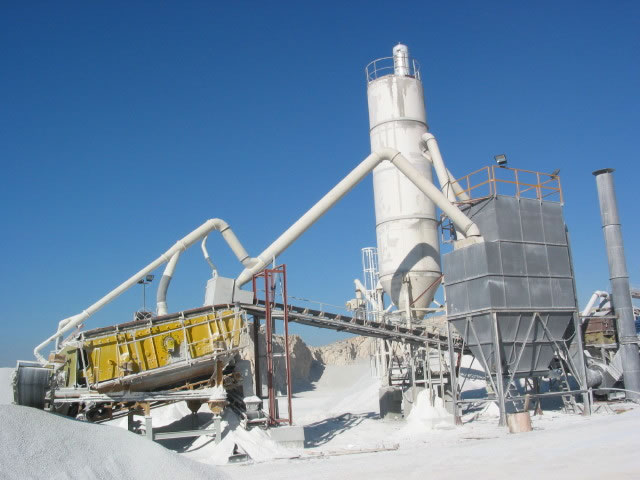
x=357 y=326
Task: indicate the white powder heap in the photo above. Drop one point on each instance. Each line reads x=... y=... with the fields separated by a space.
x=425 y=417
x=37 y=444
x=6 y=390
x=255 y=442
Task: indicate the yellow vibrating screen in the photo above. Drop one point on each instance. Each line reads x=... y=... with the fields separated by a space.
x=154 y=345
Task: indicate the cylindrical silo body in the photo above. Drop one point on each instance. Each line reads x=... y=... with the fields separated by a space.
x=406 y=225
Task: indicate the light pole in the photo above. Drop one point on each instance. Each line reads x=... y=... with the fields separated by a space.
x=144 y=282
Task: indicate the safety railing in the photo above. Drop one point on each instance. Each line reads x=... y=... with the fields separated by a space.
x=385 y=66
x=495 y=180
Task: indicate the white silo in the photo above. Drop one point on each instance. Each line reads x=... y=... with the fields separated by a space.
x=406 y=225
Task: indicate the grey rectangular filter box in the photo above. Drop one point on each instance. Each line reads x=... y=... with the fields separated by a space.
x=521 y=273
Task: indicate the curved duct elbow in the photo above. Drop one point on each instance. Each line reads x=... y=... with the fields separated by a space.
x=161 y=295
x=249 y=262
x=205 y=252
x=595 y=377
x=237 y=248
x=448 y=184
x=424 y=140
x=472 y=231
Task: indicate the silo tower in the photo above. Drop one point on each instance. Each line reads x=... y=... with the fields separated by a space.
x=406 y=224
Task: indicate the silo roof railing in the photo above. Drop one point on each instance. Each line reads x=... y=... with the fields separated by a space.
x=494 y=180
x=384 y=66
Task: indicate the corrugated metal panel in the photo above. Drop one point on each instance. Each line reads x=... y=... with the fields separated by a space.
x=522 y=268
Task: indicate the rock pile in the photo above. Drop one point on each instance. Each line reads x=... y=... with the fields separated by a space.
x=345 y=352
x=308 y=363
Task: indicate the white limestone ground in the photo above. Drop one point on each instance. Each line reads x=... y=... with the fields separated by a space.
x=6 y=392
x=426 y=445
x=339 y=412
x=39 y=445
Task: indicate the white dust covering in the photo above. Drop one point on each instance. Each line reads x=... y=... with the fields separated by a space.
x=256 y=443
x=40 y=445
x=6 y=390
x=341 y=422
x=344 y=438
x=424 y=416
x=177 y=416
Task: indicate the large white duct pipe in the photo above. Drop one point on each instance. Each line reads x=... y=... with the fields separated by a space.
x=167 y=275
x=592 y=302
x=181 y=245
x=442 y=173
x=461 y=195
x=448 y=184
x=438 y=164
x=459 y=219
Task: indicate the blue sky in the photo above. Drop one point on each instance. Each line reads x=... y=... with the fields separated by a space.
x=125 y=125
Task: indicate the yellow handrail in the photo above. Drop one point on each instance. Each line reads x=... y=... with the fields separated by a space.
x=545 y=185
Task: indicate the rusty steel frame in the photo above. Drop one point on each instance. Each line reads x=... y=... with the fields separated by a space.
x=269 y=275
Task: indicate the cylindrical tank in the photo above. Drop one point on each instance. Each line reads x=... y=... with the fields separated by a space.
x=406 y=225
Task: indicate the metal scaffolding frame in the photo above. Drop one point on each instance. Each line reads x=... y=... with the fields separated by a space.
x=502 y=380
x=271 y=277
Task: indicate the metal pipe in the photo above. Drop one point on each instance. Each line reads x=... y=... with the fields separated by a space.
x=459 y=219
x=181 y=245
x=361 y=290
x=592 y=301
x=235 y=245
x=620 y=291
x=460 y=193
x=498 y=365
x=431 y=144
x=401 y=60
x=453 y=376
x=438 y=164
x=161 y=295
x=203 y=246
x=450 y=179
x=584 y=372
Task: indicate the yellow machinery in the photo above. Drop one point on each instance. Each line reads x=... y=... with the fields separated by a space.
x=181 y=356
x=132 y=353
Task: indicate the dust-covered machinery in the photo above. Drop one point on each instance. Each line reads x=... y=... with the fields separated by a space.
x=602 y=344
x=95 y=373
x=187 y=355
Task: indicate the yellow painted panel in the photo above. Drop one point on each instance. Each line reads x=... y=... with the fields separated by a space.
x=147 y=348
